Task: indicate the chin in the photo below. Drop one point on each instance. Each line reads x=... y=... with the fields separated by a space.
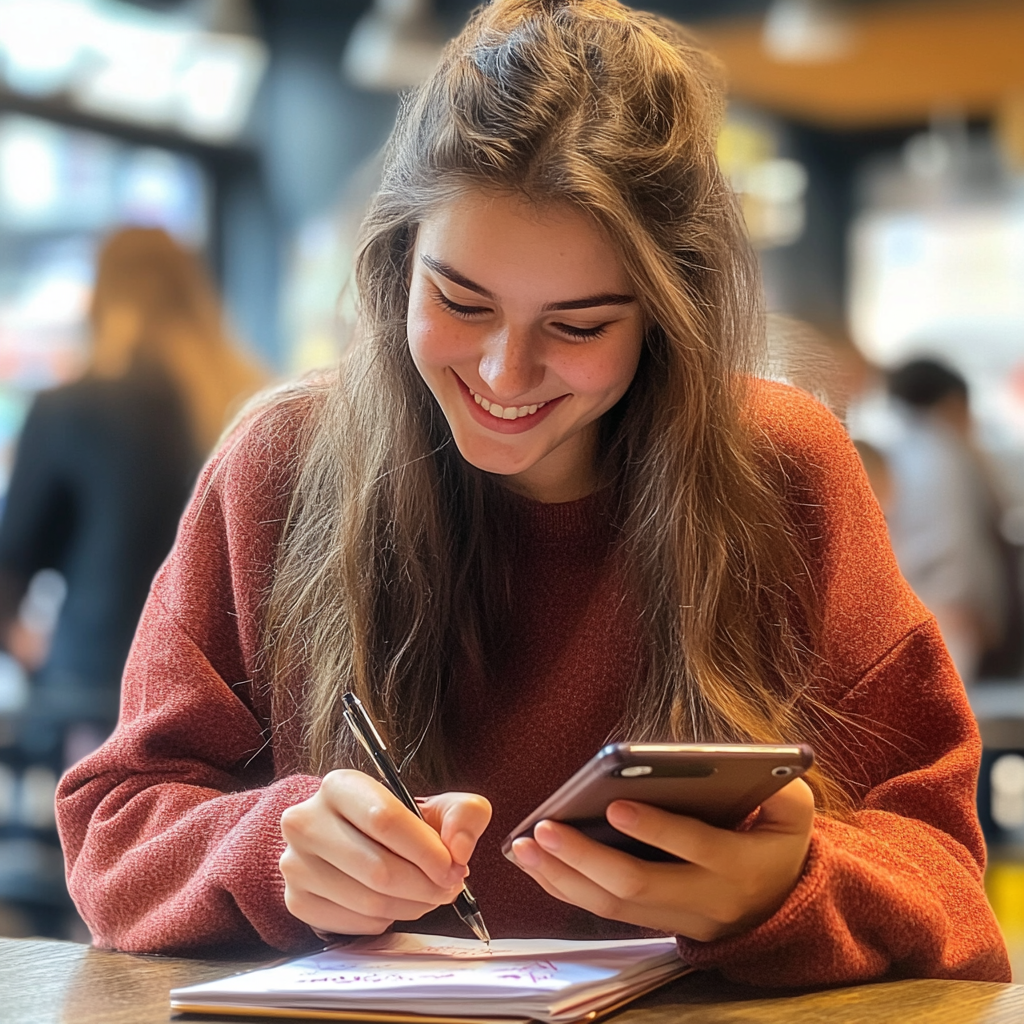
x=476 y=455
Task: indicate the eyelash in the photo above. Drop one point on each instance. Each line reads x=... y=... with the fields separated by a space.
x=582 y=333
x=467 y=312
x=462 y=311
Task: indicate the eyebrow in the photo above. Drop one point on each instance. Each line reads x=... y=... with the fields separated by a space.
x=602 y=299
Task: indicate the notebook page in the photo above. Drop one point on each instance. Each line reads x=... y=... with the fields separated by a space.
x=442 y=975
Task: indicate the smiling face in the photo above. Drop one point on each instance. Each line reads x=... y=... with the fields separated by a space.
x=525 y=327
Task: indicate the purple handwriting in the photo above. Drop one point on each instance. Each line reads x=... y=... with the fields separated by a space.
x=531 y=971
x=375 y=978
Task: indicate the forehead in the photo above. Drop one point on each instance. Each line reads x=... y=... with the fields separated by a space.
x=500 y=240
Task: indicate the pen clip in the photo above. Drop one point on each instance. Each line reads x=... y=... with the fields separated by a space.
x=369 y=738
x=354 y=708
x=359 y=734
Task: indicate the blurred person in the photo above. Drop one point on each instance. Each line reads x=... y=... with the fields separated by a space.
x=103 y=469
x=943 y=512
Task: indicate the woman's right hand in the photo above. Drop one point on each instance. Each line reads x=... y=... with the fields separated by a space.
x=357 y=859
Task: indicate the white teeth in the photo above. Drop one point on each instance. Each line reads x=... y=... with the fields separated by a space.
x=505 y=413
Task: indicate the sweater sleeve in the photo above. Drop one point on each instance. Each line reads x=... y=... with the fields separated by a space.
x=894 y=888
x=171 y=830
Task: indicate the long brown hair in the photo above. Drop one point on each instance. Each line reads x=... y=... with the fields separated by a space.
x=389 y=572
x=175 y=321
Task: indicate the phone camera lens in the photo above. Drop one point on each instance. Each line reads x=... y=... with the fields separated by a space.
x=782 y=771
x=634 y=770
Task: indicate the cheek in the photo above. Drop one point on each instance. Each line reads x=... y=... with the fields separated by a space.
x=605 y=372
x=419 y=330
x=434 y=340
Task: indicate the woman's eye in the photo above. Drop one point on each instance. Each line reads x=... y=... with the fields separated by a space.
x=581 y=333
x=454 y=307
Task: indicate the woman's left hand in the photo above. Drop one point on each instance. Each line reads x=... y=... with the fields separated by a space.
x=733 y=881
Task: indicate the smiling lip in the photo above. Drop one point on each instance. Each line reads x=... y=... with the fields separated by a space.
x=502 y=426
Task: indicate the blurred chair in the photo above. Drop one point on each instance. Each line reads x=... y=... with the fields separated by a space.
x=103 y=469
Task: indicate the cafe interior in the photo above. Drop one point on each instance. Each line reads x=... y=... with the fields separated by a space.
x=877 y=147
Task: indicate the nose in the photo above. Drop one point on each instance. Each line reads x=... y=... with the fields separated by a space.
x=511 y=364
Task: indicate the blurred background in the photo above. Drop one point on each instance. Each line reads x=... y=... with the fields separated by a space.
x=877 y=145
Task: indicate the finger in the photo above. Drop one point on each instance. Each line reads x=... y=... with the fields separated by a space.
x=555 y=873
x=320 y=878
x=572 y=886
x=682 y=900
x=460 y=819
x=313 y=828
x=531 y=860
x=376 y=812
x=687 y=838
x=675 y=903
x=383 y=871
x=611 y=869
x=325 y=916
x=626 y=877
x=790 y=810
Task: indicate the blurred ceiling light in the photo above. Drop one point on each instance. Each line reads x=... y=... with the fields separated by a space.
x=196 y=70
x=28 y=169
x=217 y=86
x=771 y=188
x=808 y=31
x=40 y=42
x=772 y=198
x=395 y=45
x=776 y=181
x=135 y=71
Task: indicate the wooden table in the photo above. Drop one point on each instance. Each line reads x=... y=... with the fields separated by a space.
x=66 y=983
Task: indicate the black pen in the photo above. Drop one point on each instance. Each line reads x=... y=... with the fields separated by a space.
x=365 y=731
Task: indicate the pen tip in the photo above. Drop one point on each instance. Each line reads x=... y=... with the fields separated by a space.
x=480 y=929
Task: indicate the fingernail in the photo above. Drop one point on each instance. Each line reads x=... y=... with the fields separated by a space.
x=547 y=836
x=623 y=813
x=525 y=853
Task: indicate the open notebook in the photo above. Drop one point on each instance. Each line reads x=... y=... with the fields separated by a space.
x=433 y=978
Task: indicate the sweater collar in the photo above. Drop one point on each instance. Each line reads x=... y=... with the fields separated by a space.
x=582 y=522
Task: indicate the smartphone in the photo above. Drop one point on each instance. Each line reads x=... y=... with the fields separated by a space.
x=720 y=784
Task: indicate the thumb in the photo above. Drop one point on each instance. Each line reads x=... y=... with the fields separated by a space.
x=791 y=810
x=459 y=818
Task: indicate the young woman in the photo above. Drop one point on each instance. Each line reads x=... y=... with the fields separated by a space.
x=545 y=503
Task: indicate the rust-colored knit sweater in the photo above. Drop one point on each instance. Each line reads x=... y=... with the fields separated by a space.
x=171 y=829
